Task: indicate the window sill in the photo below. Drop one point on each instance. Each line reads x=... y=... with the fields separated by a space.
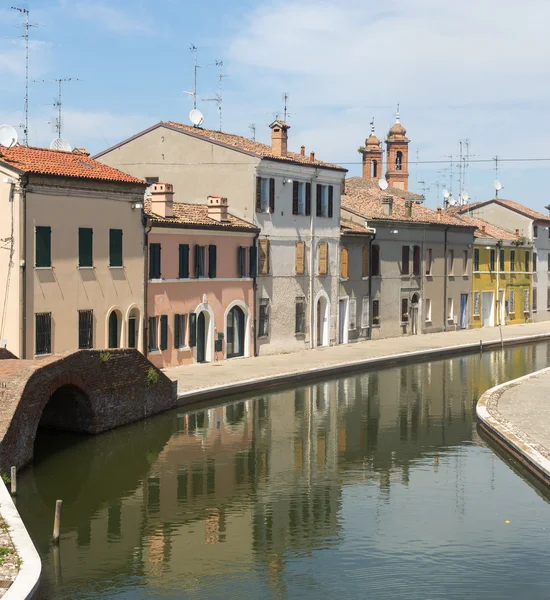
x=43 y=355
x=115 y=267
x=344 y=278
x=184 y=349
x=43 y=268
x=264 y=337
x=81 y=268
x=300 y=335
x=154 y=352
x=365 y=277
x=155 y=280
x=428 y=322
x=376 y=325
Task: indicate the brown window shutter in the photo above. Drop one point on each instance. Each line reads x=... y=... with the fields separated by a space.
x=365 y=261
x=319 y=207
x=295 y=198
x=300 y=252
x=258 y=194
x=308 y=199
x=323 y=258
x=263 y=258
x=330 y=200
x=344 y=268
x=272 y=195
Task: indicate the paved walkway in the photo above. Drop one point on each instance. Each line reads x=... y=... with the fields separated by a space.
x=202 y=381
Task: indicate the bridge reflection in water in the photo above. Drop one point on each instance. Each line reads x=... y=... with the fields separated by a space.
x=375 y=484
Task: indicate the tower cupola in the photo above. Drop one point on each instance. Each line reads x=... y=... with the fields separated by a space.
x=372 y=156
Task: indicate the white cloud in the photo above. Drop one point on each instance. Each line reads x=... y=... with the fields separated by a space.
x=108 y=16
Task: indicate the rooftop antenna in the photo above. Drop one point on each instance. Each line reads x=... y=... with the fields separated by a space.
x=26 y=26
x=285 y=100
x=194 y=49
x=252 y=128
x=58 y=102
x=218 y=97
x=397 y=114
x=497 y=185
x=372 y=126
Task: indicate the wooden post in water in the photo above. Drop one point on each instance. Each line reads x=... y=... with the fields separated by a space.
x=57 y=521
x=13 y=481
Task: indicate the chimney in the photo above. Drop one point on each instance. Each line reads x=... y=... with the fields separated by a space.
x=387 y=205
x=162 y=199
x=303 y=153
x=408 y=208
x=279 y=137
x=218 y=208
x=82 y=151
x=312 y=157
x=483 y=230
x=439 y=213
x=517 y=234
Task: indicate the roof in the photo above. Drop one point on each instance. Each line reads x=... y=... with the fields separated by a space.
x=43 y=161
x=364 y=197
x=515 y=206
x=491 y=231
x=351 y=228
x=232 y=141
x=196 y=215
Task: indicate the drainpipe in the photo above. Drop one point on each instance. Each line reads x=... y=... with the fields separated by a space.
x=313 y=209
x=445 y=283
x=255 y=297
x=497 y=257
x=23 y=265
x=147 y=226
x=370 y=284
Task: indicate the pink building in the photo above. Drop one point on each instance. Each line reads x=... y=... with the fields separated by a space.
x=201 y=267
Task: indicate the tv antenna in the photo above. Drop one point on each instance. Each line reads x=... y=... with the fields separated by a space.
x=26 y=26
x=285 y=112
x=252 y=128
x=58 y=102
x=218 y=98
x=194 y=49
x=496 y=184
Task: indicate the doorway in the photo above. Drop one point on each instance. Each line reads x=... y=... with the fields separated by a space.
x=322 y=322
x=201 y=338
x=488 y=309
x=463 y=310
x=414 y=314
x=235 y=332
x=343 y=320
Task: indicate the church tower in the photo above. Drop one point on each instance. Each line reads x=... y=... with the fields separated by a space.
x=397 y=156
x=372 y=156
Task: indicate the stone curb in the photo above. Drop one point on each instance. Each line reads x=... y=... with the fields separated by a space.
x=511 y=438
x=27 y=583
x=271 y=381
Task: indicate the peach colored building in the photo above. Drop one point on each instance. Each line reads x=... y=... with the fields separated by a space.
x=201 y=269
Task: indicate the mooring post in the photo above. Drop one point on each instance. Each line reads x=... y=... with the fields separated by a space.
x=481 y=346
x=57 y=521
x=13 y=481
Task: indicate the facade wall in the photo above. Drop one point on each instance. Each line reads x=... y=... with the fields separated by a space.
x=541 y=278
x=173 y=296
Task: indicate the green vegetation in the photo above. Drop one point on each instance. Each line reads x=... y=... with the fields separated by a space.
x=104 y=357
x=6 y=478
x=152 y=376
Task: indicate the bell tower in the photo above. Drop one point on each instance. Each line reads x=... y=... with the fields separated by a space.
x=397 y=156
x=372 y=156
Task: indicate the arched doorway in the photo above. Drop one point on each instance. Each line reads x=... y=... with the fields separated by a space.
x=113 y=330
x=322 y=321
x=235 y=337
x=201 y=337
x=133 y=328
x=414 y=313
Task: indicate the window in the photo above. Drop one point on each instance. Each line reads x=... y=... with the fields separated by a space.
x=43 y=333
x=416 y=260
x=476 y=259
x=512 y=260
x=85 y=329
x=241 y=261
x=212 y=261
x=263 y=257
x=548 y=265
x=300 y=315
x=374 y=169
x=451 y=258
x=492 y=260
x=398 y=160
x=534 y=299
x=548 y=299
x=365 y=266
x=365 y=312
x=115 y=248
x=534 y=262
x=428 y=308
x=163 y=332
x=465 y=262
x=263 y=321
x=428 y=261
x=325 y=199
x=85 y=247
x=43 y=247
x=265 y=195
x=154 y=261
x=450 y=309
x=180 y=330
x=477 y=303
x=512 y=303
x=404 y=310
x=535 y=231
x=404 y=260
x=200 y=261
x=375 y=258
x=344 y=263
x=192 y=329
x=183 y=270
x=323 y=258
x=376 y=312
x=352 y=313
x=527 y=261
x=299 y=198
x=526 y=301
x=153 y=334
x=253 y=261
x=501 y=260
x=300 y=257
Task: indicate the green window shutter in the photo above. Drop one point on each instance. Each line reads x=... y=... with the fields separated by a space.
x=197 y=260
x=115 y=247
x=184 y=261
x=253 y=261
x=212 y=261
x=192 y=329
x=152 y=334
x=163 y=332
x=177 y=331
x=43 y=240
x=85 y=247
x=154 y=261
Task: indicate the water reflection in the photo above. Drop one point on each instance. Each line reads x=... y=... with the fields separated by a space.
x=261 y=496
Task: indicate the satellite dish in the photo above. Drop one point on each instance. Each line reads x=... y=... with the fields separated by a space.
x=382 y=184
x=446 y=194
x=452 y=202
x=465 y=197
x=8 y=136
x=196 y=117
x=497 y=184
x=60 y=144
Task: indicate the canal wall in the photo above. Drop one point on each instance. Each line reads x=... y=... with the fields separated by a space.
x=88 y=391
x=516 y=416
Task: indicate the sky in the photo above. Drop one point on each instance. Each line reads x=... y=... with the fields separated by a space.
x=474 y=70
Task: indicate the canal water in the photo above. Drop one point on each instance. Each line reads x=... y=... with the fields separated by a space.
x=375 y=485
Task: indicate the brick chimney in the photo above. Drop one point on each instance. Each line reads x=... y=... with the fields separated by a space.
x=517 y=234
x=312 y=157
x=279 y=137
x=439 y=213
x=303 y=153
x=218 y=208
x=483 y=231
x=387 y=205
x=162 y=199
x=408 y=208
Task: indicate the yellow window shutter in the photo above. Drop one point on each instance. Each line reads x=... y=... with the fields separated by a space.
x=365 y=261
x=263 y=257
x=300 y=251
x=344 y=272
x=323 y=258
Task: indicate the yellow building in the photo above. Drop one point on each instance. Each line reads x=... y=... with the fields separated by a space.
x=502 y=277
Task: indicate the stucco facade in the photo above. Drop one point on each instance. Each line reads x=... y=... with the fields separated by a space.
x=63 y=289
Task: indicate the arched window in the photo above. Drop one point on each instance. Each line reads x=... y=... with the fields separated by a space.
x=235 y=332
x=374 y=169
x=113 y=330
x=399 y=160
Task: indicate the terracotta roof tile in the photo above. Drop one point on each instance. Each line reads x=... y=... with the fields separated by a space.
x=364 y=197
x=349 y=227
x=196 y=214
x=491 y=231
x=44 y=161
x=244 y=144
x=516 y=206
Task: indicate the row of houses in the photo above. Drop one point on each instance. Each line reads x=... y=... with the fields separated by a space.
x=194 y=245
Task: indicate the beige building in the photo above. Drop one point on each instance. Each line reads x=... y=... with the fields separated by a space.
x=71 y=253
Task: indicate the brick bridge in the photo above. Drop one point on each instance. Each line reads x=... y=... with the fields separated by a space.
x=88 y=391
